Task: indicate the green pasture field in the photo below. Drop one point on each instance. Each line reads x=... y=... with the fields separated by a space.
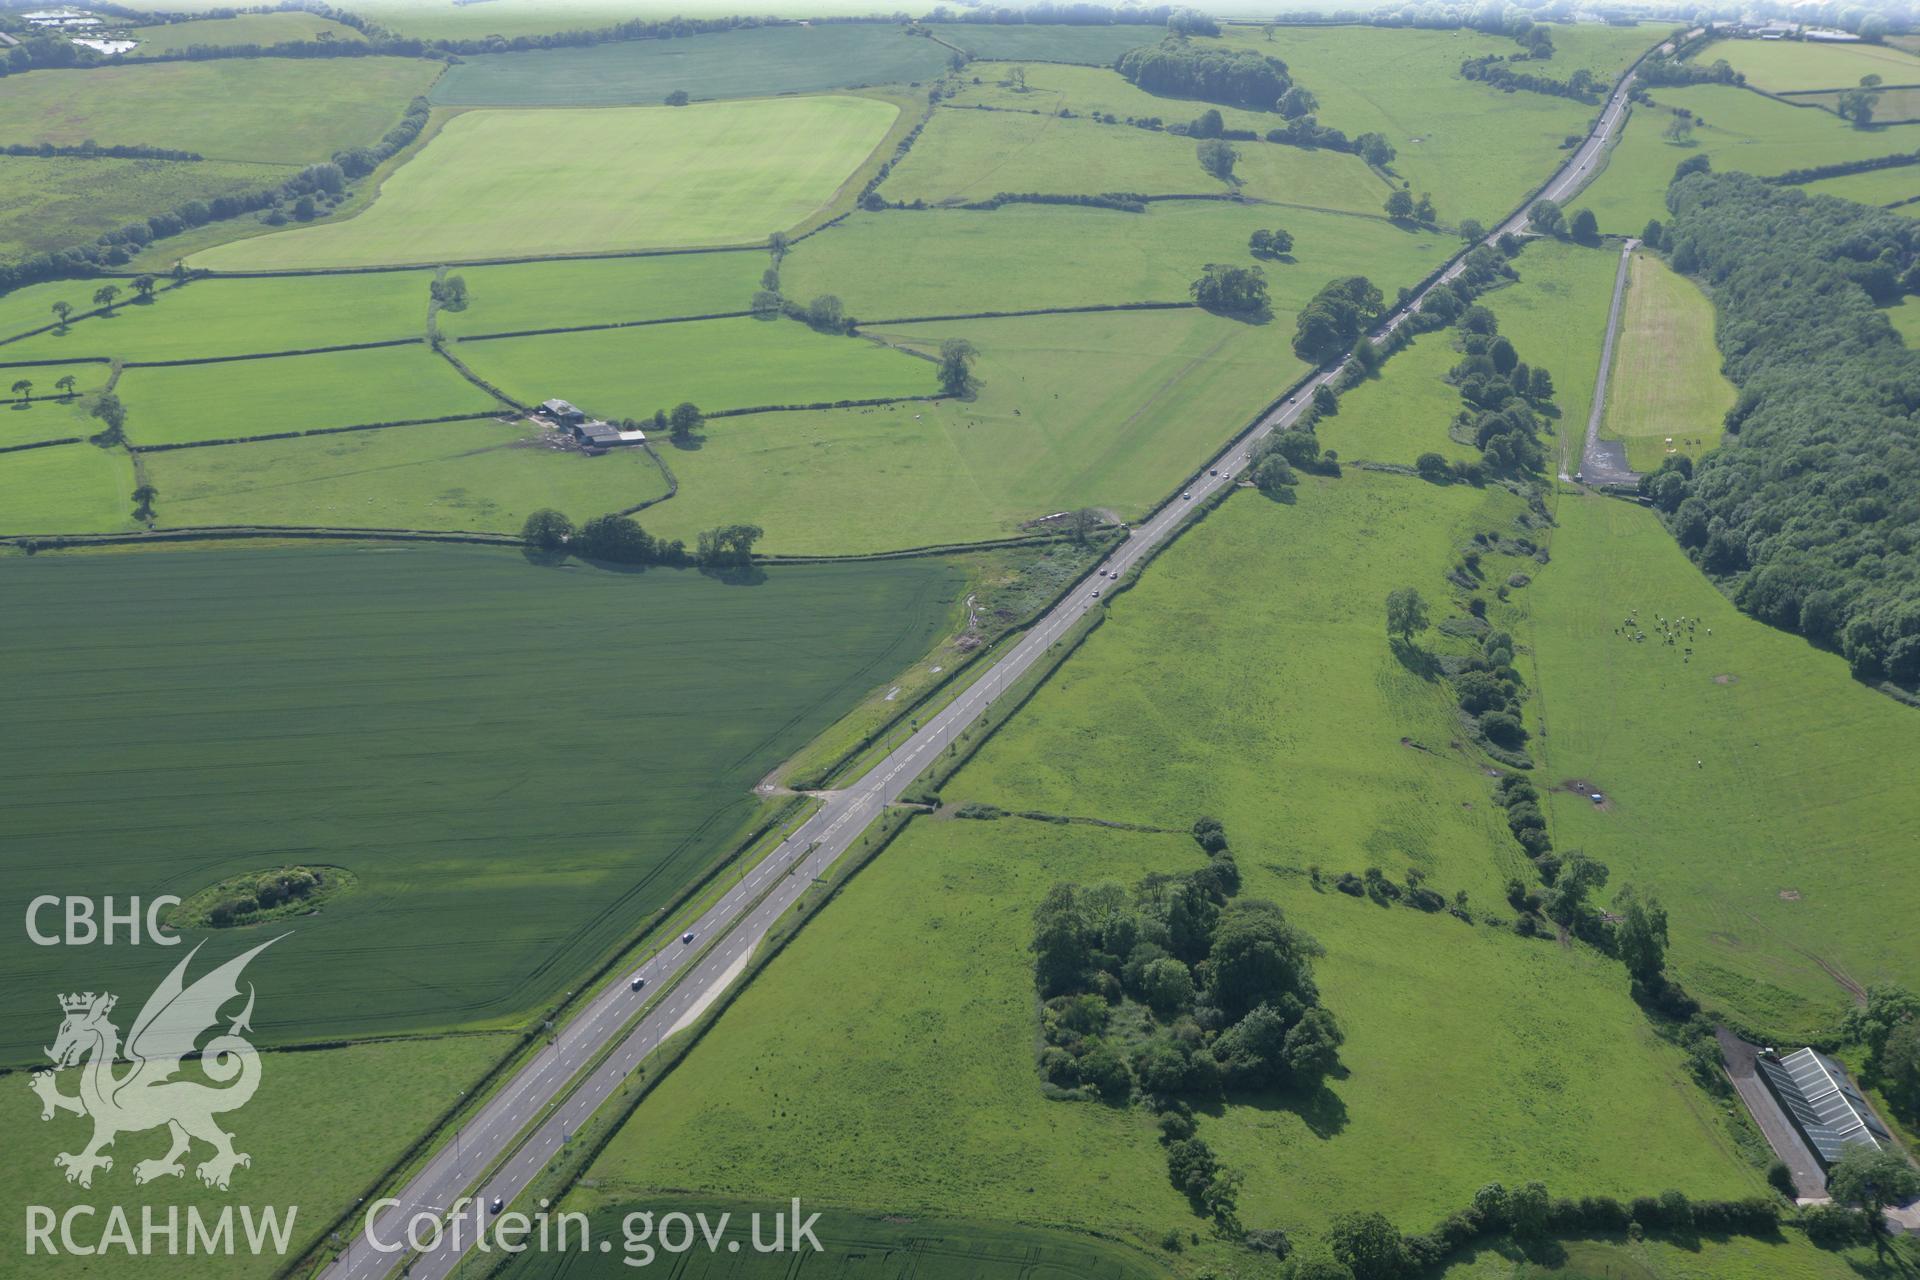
x=1755 y=787
x=281 y=111
x=1894 y=106
x=1666 y=381
x=498 y=184
x=1742 y=131
x=1291 y=176
x=1732 y=1258
x=214 y=317
x=1600 y=47
x=50 y=414
x=972 y=155
x=1784 y=66
x=1556 y=317
x=483 y=475
x=253 y=28
x=63 y=202
x=915 y=1089
x=522 y=763
x=65 y=488
x=896 y=265
x=1406 y=85
x=1403 y=413
x=870 y=1246
x=550 y=295
x=236 y=399
x=1085 y=90
x=742 y=363
x=1095 y=46
x=321 y=1128
x=1880 y=187
x=1103 y=410
x=731 y=64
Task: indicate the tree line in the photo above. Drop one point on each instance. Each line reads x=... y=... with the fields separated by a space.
x=1807 y=514
x=619 y=539
x=91 y=150
x=1497 y=71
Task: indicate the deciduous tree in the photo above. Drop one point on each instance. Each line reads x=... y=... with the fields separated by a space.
x=1406 y=613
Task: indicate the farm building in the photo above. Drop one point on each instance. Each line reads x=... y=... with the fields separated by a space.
x=596 y=435
x=7 y=41
x=562 y=412
x=1826 y=1108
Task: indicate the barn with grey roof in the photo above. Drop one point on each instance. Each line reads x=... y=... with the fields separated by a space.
x=1824 y=1104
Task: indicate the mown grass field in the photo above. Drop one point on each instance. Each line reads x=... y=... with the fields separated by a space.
x=548 y=295
x=870 y=1246
x=59 y=203
x=223 y=317
x=1406 y=84
x=1093 y=45
x=731 y=64
x=1742 y=131
x=496 y=184
x=1756 y=787
x=1101 y=410
x=1882 y=186
x=321 y=1128
x=741 y=363
x=966 y=155
x=65 y=488
x=914 y=1087
x=282 y=111
x=484 y=475
x=1666 y=382
x=899 y=265
x=236 y=399
x=1786 y=66
x=250 y=28
x=520 y=763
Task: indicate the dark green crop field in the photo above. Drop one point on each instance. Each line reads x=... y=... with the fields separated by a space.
x=521 y=764
x=733 y=64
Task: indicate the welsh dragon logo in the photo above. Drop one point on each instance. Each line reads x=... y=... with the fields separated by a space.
x=145 y=1095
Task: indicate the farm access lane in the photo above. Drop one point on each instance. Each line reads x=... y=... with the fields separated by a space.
x=1605 y=461
x=745 y=913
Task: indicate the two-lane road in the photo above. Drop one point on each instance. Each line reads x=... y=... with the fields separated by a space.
x=743 y=915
